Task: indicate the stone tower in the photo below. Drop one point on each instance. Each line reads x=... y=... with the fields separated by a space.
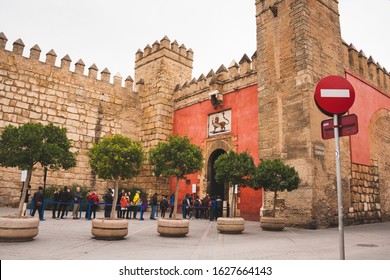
x=298 y=43
x=158 y=69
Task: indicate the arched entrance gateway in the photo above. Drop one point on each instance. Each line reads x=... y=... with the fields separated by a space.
x=247 y=202
x=213 y=187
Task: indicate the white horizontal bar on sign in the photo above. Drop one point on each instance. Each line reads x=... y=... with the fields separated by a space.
x=335 y=93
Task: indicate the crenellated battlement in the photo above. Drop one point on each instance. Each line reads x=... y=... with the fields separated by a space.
x=88 y=106
x=236 y=76
x=367 y=68
x=51 y=59
x=166 y=48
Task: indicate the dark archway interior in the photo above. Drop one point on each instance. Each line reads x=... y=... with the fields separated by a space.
x=215 y=188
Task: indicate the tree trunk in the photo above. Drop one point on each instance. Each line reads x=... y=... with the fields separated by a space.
x=275 y=198
x=115 y=199
x=24 y=191
x=176 y=199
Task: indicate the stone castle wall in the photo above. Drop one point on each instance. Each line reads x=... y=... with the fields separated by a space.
x=225 y=80
x=88 y=107
x=299 y=42
x=366 y=68
x=365 y=206
x=159 y=68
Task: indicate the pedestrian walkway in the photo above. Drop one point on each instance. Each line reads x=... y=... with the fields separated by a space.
x=70 y=239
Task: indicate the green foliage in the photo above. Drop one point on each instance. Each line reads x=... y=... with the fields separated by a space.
x=117 y=157
x=33 y=143
x=275 y=175
x=175 y=158
x=56 y=152
x=234 y=168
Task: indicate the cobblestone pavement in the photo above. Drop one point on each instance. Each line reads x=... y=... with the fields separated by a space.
x=70 y=239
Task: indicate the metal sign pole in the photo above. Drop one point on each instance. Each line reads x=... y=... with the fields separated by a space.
x=339 y=190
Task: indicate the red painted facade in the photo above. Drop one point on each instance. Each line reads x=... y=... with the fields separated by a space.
x=193 y=122
x=368 y=100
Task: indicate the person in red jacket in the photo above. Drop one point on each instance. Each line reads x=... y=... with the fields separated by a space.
x=94 y=200
x=124 y=202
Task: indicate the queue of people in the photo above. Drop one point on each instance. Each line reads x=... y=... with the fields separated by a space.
x=127 y=206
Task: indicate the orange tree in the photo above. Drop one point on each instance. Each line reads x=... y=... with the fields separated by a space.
x=275 y=175
x=116 y=157
x=33 y=143
x=234 y=168
x=175 y=158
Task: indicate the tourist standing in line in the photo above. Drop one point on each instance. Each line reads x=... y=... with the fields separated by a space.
x=205 y=213
x=77 y=197
x=38 y=202
x=184 y=204
x=124 y=203
x=219 y=207
x=164 y=206
x=65 y=200
x=118 y=204
x=95 y=204
x=129 y=206
x=143 y=204
x=212 y=206
x=172 y=204
x=197 y=206
x=108 y=199
x=135 y=204
x=56 y=200
x=154 y=206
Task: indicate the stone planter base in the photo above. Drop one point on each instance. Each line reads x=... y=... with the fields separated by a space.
x=173 y=228
x=231 y=225
x=16 y=229
x=271 y=223
x=109 y=229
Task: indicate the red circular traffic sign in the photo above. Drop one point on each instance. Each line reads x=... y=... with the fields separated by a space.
x=334 y=95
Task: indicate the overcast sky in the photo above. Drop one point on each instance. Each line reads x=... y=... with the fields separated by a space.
x=109 y=32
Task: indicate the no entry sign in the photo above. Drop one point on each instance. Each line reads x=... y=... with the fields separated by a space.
x=334 y=95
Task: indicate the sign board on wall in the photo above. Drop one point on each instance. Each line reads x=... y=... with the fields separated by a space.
x=348 y=125
x=220 y=123
x=193 y=188
x=23 y=176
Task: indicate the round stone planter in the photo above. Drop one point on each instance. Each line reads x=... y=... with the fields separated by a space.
x=16 y=229
x=109 y=229
x=271 y=223
x=173 y=228
x=230 y=225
